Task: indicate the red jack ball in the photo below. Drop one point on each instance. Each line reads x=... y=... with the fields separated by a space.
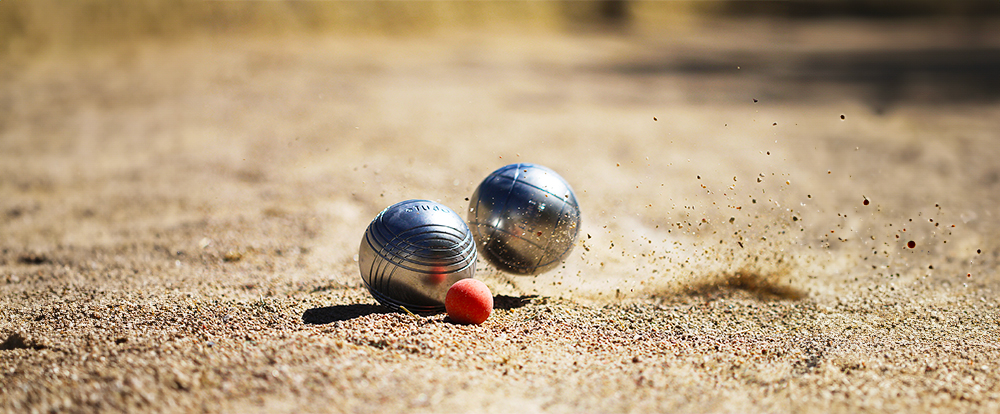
x=469 y=301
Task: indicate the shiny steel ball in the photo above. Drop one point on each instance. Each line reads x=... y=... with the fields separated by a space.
x=412 y=252
x=525 y=218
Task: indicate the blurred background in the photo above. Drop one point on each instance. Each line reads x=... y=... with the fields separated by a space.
x=930 y=50
x=33 y=26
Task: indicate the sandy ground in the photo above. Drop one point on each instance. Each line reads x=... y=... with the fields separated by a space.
x=179 y=222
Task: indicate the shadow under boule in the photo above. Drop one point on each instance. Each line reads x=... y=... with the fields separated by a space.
x=329 y=314
x=325 y=315
x=512 y=302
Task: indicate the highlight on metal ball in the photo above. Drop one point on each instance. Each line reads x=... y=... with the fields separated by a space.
x=412 y=252
x=525 y=218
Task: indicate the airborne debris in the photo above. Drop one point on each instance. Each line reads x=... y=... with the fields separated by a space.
x=232 y=256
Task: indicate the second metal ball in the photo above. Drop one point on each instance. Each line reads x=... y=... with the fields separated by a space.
x=525 y=218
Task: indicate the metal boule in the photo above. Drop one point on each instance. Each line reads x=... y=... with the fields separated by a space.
x=525 y=218
x=412 y=252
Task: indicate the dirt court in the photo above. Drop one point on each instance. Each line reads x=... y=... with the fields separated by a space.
x=777 y=217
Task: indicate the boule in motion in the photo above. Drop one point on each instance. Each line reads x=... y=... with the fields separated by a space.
x=525 y=218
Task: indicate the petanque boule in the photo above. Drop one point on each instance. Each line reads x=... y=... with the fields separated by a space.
x=525 y=218
x=412 y=252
